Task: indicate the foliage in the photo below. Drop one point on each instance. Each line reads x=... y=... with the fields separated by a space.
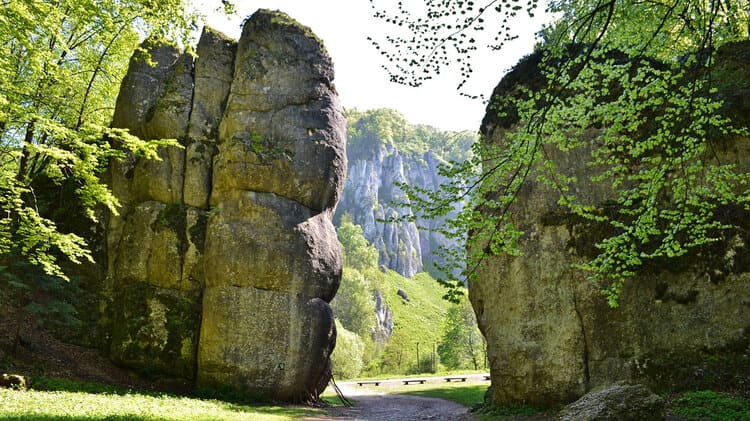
x=59 y=75
x=462 y=345
x=353 y=305
x=628 y=86
x=346 y=361
x=358 y=252
x=105 y=402
x=417 y=321
x=369 y=130
x=701 y=405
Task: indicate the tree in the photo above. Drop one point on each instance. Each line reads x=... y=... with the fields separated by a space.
x=60 y=74
x=358 y=252
x=643 y=73
x=346 y=361
x=462 y=344
x=60 y=71
x=353 y=305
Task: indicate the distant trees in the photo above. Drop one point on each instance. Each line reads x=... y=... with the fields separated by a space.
x=462 y=344
x=353 y=305
x=358 y=252
x=346 y=361
x=368 y=130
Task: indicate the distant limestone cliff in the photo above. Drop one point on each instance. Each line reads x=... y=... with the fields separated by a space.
x=385 y=151
x=223 y=257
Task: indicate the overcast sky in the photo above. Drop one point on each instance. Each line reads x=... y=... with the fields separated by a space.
x=344 y=26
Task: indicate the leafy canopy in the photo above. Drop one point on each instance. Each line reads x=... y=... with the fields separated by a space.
x=60 y=71
x=632 y=87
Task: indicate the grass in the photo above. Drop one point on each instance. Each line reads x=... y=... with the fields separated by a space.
x=467 y=395
x=94 y=402
x=708 y=405
x=419 y=320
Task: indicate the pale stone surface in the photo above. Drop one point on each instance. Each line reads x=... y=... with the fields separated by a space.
x=371 y=196
x=551 y=335
x=214 y=70
x=283 y=121
x=620 y=402
x=223 y=258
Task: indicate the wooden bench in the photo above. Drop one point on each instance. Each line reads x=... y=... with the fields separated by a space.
x=449 y=379
x=486 y=377
x=364 y=383
x=420 y=381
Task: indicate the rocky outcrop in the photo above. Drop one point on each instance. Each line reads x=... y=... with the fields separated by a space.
x=551 y=335
x=372 y=197
x=617 y=402
x=383 y=329
x=223 y=258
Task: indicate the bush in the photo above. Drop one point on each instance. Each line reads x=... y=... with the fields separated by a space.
x=711 y=405
x=346 y=360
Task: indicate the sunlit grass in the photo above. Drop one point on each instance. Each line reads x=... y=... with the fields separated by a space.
x=466 y=394
x=48 y=405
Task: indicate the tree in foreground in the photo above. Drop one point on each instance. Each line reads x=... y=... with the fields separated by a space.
x=60 y=72
x=643 y=74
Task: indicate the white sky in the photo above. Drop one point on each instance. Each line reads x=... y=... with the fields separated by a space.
x=344 y=25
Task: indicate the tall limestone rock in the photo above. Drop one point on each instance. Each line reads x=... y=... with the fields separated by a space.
x=223 y=258
x=551 y=335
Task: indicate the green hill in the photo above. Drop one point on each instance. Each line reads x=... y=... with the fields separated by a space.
x=417 y=321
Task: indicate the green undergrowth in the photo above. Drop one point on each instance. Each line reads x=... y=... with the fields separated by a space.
x=62 y=399
x=709 y=405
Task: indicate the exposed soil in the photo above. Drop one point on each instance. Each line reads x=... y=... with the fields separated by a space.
x=41 y=354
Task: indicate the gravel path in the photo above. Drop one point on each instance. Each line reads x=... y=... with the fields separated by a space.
x=376 y=406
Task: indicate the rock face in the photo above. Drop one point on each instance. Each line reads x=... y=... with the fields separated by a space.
x=551 y=335
x=223 y=257
x=369 y=195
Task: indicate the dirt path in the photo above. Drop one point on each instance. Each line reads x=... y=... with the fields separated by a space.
x=372 y=405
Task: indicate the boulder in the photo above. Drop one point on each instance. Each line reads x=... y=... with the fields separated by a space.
x=13 y=381
x=223 y=257
x=618 y=402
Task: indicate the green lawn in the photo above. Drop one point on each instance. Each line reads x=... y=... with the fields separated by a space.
x=48 y=405
x=465 y=394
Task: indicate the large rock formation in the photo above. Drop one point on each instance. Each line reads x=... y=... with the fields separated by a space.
x=223 y=257
x=551 y=335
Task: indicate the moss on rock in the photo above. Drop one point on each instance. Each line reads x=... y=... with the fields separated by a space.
x=156 y=329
